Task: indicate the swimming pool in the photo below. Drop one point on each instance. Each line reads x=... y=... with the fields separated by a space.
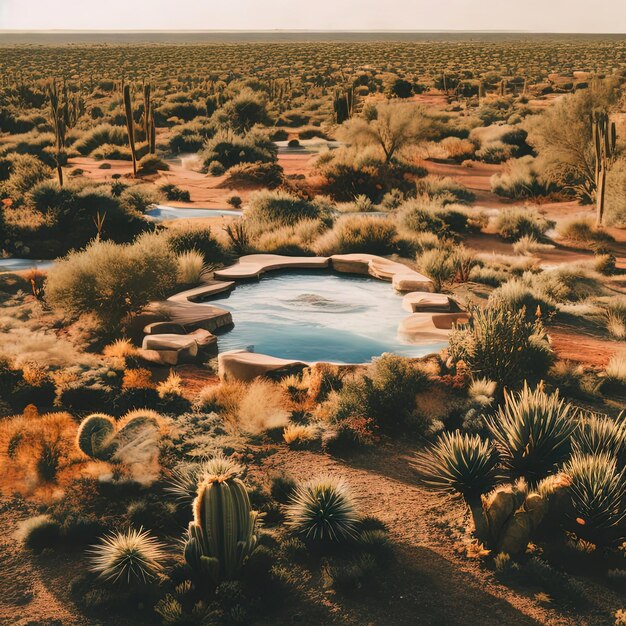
x=162 y=212
x=317 y=316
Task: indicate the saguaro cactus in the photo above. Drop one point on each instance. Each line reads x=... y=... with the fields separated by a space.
x=59 y=124
x=223 y=532
x=130 y=126
x=604 y=136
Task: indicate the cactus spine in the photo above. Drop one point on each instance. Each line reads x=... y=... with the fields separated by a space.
x=223 y=533
x=130 y=126
x=604 y=137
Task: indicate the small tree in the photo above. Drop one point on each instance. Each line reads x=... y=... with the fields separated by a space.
x=391 y=127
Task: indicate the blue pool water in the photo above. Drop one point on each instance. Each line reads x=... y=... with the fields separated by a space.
x=16 y=265
x=317 y=316
x=162 y=212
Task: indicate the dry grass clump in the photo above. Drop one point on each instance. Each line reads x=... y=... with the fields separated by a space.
x=354 y=233
x=528 y=245
x=615 y=317
x=512 y=224
x=191 y=267
x=297 y=435
x=252 y=407
x=583 y=230
x=616 y=369
x=37 y=453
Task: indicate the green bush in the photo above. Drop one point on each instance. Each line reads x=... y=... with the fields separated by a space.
x=502 y=345
x=278 y=208
x=200 y=239
x=513 y=224
x=230 y=149
x=112 y=281
x=355 y=233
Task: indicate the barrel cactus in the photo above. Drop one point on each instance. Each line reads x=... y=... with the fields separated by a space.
x=223 y=532
x=95 y=436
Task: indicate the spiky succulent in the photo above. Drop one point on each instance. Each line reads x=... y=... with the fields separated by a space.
x=322 y=509
x=532 y=432
x=599 y=433
x=458 y=463
x=184 y=481
x=128 y=557
x=95 y=436
x=598 y=494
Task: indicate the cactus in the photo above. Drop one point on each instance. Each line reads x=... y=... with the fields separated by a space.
x=604 y=137
x=222 y=534
x=146 y=110
x=513 y=515
x=59 y=124
x=95 y=436
x=130 y=126
x=100 y=437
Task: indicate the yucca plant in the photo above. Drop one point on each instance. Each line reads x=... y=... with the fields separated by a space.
x=223 y=532
x=130 y=557
x=598 y=495
x=184 y=481
x=322 y=509
x=460 y=464
x=532 y=432
x=597 y=434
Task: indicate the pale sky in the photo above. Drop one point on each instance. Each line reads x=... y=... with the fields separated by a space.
x=600 y=16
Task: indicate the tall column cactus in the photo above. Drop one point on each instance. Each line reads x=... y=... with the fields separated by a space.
x=59 y=124
x=130 y=126
x=604 y=136
x=223 y=533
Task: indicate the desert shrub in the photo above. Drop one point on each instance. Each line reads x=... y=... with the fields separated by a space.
x=513 y=224
x=615 y=317
x=502 y=345
x=278 y=208
x=520 y=179
x=495 y=152
x=108 y=151
x=386 y=393
x=200 y=239
x=234 y=201
x=151 y=164
x=24 y=172
x=528 y=245
x=584 y=230
x=244 y=111
x=191 y=267
x=292 y=240
x=112 y=281
x=260 y=174
x=567 y=283
x=174 y=193
x=139 y=198
x=615 y=373
x=322 y=510
x=100 y=135
x=347 y=173
x=532 y=432
x=190 y=137
x=229 y=149
x=515 y=295
x=127 y=558
x=445 y=189
x=354 y=233
x=598 y=496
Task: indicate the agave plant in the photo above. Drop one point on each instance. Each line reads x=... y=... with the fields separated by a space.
x=597 y=434
x=598 y=495
x=460 y=464
x=322 y=509
x=184 y=481
x=132 y=556
x=532 y=432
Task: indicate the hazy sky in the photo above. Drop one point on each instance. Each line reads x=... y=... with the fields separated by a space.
x=606 y=16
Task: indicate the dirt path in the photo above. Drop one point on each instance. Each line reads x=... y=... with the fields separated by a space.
x=433 y=584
